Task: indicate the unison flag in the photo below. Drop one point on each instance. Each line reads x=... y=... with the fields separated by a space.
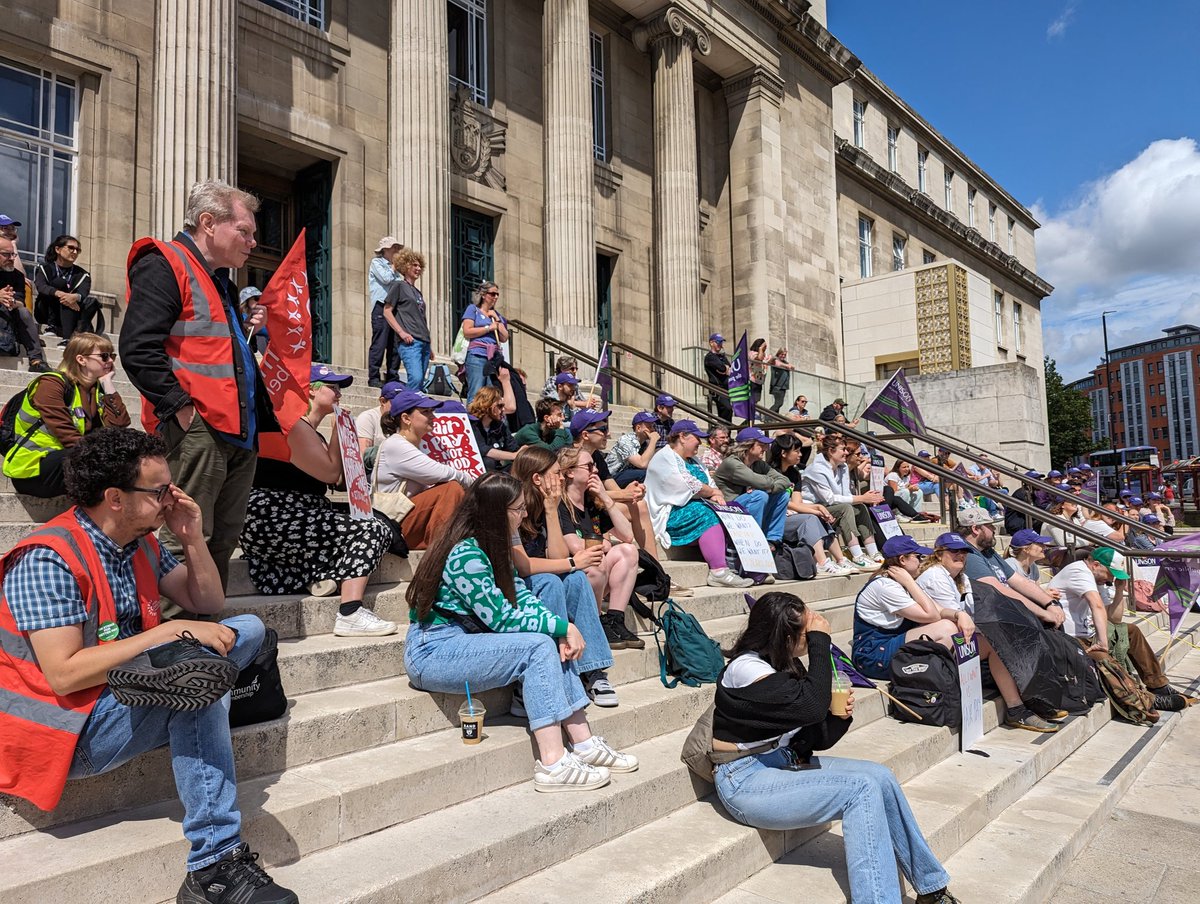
x=1179 y=579
x=287 y=362
x=895 y=407
x=739 y=382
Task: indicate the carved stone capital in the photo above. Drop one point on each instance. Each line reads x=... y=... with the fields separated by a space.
x=754 y=84
x=671 y=22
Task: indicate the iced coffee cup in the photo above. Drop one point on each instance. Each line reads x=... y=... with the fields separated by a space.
x=841 y=694
x=470 y=716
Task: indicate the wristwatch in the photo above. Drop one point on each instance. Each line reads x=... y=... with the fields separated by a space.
x=571 y=562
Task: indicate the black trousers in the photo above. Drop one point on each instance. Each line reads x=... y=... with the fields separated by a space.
x=48 y=482
x=383 y=342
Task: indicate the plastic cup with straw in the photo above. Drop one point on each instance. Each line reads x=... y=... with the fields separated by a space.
x=470 y=716
x=841 y=690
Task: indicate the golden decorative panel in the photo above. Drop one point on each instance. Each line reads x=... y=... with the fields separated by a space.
x=943 y=319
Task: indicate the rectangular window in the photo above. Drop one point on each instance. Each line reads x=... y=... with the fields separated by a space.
x=893 y=148
x=599 y=104
x=922 y=165
x=927 y=256
x=39 y=149
x=971 y=207
x=310 y=12
x=865 y=230
x=1149 y=367
x=998 y=304
x=1016 y=331
x=1160 y=367
x=860 y=123
x=467 y=24
x=1152 y=388
x=1012 y=243
x=949 y=182
x=899 y=244
x=991 y=222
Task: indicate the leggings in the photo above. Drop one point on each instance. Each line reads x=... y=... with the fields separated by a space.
x=712 y=547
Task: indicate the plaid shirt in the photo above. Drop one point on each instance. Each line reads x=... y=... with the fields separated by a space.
x=42 y=593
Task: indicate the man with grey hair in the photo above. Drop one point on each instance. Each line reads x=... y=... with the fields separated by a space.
x=185 y=347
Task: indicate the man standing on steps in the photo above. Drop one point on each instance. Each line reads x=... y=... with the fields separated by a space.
x=716 y=369
x=185 y=347
x=90 y=677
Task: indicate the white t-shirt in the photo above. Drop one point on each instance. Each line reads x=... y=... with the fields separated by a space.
x=1074 y=581
x=744 y=671
x=943 y=591
x=368 y=426
x=881 y=600
x=1098 y=527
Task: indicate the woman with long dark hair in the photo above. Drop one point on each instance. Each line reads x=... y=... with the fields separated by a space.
x=768 y=700
x=472 y=620
x=63 y=289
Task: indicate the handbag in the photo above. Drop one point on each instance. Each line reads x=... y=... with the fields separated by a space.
x=458 y=351
x=698 y=754
x=395 y=504
x=258 y=694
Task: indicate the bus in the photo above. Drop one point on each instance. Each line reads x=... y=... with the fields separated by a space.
x=1108 y=462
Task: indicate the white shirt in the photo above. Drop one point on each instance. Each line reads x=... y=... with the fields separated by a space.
x=368 y=426
x=1076 y=580
x=400 y=461
x=943 y=591
x=881 y=600
x=1098 y=527
x=744 y=671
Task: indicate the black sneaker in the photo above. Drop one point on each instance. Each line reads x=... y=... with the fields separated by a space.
x=620 y=637
x=39 y=367
x=183 y=675
x=941 y=896
x=1171 y=703
x=236 y=877
x=375 y=382
x=1167 y=690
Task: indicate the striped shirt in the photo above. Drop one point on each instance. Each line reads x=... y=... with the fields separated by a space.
x=42 y=593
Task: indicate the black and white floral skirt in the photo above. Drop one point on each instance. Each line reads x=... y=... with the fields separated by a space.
x=291 y=540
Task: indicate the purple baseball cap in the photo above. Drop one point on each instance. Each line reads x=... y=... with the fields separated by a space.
x=951 y=540
x=1055 y=474
x=6 y=220
x=1025 y=536
x=923 y=454
x=753 y=434
x=644 y=417
x=1151 y=519
x=390 y=390
x=323 y=373
x=566 y=378
x=587 y=418
x=1125 y=494
x=902 y=546
x=687 y=426
x=717 y=338
x=408 y=399
x=665 y=401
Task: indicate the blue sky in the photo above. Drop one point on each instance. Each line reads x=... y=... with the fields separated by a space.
x=1088 y=113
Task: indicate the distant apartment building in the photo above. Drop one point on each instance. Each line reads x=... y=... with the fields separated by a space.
x=1153 y=390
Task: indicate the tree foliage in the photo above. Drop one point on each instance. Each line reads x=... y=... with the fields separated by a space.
x=1069 y=418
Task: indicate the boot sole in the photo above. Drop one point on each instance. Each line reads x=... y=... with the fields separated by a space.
x=182 y=686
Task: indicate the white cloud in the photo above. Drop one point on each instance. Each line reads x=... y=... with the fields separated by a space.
x=1130 y=243
x=1058 y=27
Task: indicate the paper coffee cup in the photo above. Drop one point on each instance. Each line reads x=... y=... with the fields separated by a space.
x=471 y=721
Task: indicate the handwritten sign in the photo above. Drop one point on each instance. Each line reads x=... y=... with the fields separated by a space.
x=886 y=519
x=878 y=471
x=451 y=441
x=357 y=487
x=754 y=552
x=970 y=684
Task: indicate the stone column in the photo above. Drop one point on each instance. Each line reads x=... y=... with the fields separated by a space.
x=419 y=152
x=672 y=37
x=568 y=249
x=757 y=206
x=195 y=88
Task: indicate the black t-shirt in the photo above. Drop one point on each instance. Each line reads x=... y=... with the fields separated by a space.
x=601 y=463
x=535 y=546
x=590 y=523
x=716 y=368
x=497 y=436
x=14 y=279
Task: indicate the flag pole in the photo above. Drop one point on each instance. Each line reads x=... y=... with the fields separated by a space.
x=596 y=379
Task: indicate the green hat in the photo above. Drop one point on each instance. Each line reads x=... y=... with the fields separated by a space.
x=1113 y=561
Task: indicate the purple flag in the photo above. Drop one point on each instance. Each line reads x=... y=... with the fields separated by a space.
x=896 y=408
x=1179 y=579
x=739 y=382
x=844 y=665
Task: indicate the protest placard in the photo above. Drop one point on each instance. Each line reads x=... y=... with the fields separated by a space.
x=886 y=519
x=451 y=441
x=357 y=487
x=748 y=538
x=878 y=471
x=970 y=685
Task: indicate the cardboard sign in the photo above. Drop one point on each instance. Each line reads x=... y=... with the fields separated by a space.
x=451 y=441
x=886 y=519
x=357 y=487
x=748 y=538
x=970 y=684
x=878 y=472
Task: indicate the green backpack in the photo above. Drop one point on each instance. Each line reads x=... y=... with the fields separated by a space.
x=685 y=651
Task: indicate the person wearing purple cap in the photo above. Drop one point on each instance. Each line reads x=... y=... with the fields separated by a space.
x=630 y=456
x=716 y=369
x=1158 y=507
x=892 y=610
x=1026 y=550
x=763 y=495
x=294 y=537
x=664 y=416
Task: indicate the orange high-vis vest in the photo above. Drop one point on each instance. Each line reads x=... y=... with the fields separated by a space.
x=39 y=728
x=200 y=346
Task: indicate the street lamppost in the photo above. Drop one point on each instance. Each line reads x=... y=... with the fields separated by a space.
x=1112 y=418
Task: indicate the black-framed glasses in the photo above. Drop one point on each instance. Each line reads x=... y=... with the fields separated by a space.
x=72 y=248
x=596 y=430
x=159 y=493
x=103 y=356
x=590 y=467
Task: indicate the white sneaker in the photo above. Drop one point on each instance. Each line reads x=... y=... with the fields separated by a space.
x=846 y=567
x=603 y=756
x=600 y=690
x=569 y=774
x=829 y=567
x=862 y=563
x=877 y=558
x=726 y=577
x=362 y=623
x=676 y=590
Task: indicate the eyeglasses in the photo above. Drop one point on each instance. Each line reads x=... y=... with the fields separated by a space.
x=103 y=356
x=74 y=249
x=7 y=255
x=590 y=467
x=518 y=509
x=159 y=493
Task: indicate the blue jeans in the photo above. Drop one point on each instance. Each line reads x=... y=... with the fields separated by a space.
x=201 y=753
x=570 y=596
x=416 y=361
x=474 y=366
x=928 y=488
x=768 y=510
x=877 y=823
x=441 y=658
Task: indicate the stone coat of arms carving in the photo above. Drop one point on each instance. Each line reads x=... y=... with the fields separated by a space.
x=477 y=141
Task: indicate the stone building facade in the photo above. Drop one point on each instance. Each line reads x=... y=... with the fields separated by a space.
x=642 y=170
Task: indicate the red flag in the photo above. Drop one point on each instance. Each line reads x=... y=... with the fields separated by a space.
x=287 y=362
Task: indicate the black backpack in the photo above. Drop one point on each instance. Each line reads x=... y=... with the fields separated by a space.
x=653 y=584
x=925 y=679
x=1075 y=673
x=795 y=563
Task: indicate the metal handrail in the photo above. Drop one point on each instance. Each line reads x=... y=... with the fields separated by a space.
x=961 y=441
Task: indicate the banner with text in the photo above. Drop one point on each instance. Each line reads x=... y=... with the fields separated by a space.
x=451 y=441
x=747 y=537
x=287 y=362
x=886 y=519
x=970 y=684
x=357 y=487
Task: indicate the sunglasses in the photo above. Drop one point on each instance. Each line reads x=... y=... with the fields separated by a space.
x=103 y=356
x=492 y=294
x=596 y=430
x=159 y=493
x=74 y=248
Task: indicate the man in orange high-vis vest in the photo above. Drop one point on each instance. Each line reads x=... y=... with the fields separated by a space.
x=80 y=629
x=185 y=347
